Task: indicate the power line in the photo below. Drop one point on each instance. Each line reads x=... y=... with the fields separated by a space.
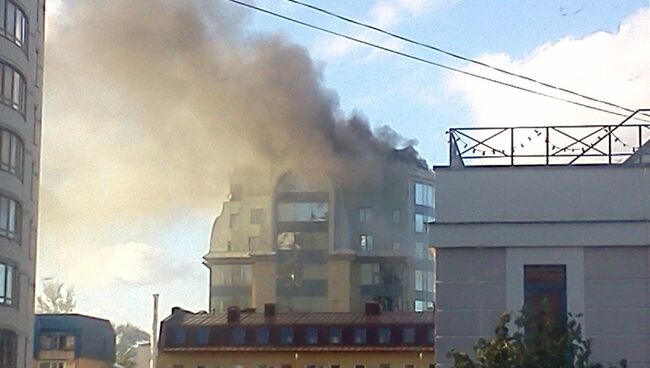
x=419 y=59
x=453 y=55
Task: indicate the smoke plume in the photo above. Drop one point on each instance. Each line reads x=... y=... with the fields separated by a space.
x=151 y=102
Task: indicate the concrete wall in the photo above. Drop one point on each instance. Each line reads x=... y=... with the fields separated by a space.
x=471 y=293
x=491 y=221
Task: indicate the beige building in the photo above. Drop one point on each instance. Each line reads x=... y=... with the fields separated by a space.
x=556 y=220
x=316 y=242
x=240 y=339
x=21 y=80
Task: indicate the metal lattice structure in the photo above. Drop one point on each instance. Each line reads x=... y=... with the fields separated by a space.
x=552 y=145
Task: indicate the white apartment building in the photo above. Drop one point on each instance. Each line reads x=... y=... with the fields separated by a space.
x=21 y=78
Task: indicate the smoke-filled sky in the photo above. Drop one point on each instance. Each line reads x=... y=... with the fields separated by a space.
x=150 y=103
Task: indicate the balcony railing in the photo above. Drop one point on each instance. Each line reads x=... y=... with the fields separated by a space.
x=552 y=145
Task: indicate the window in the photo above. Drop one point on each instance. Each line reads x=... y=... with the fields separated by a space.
x=13 y=88
x=180 y=336
x=11 y=153
x=424 y=195
x=409 y=365
x=546 y=283
x=431 y=336
x=364 y=215
x=202 y=336
x=238 y=336
x=7 y=284
x=286 y=336
x=311 y=335
x=419 y=282
x=421 y=222
x=429 y=281
x=256 y=216
x=408 y=335
x=335 y=335
x=262 y=336
x=8 y=349
x=233 y=275
x=419 y=305
x=13 y=24
x=10 y=218
x=234 y=221
x=253 y=243
x=359 y=366
x=395 y=245
x=51 y=365
x=384 y=365
x=384 y=335
x=302 y=212
x=359 y=335
x=366 y=242
x=396 y=216
x=370 y=274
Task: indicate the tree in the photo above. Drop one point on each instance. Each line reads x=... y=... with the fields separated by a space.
x=54 y=299
x=128 y=336
x=538 y=341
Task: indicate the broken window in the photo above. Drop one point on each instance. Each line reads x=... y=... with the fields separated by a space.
x=302 y=212
x=366 y=242
x=424 y=195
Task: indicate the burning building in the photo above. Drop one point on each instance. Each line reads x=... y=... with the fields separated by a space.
x=313 y=240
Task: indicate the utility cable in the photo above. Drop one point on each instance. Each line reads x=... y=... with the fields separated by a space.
x=419 y=59
x=452 y=54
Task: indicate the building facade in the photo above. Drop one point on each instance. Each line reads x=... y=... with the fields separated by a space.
x=240 y=339
x=308 y=241
x=21 y=75
x=73 y=341
x=574 y=234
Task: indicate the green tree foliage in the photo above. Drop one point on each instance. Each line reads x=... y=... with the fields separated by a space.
x=544 y=344
x=128 y=336
x=55 y=298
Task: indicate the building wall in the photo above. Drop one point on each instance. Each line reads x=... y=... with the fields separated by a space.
x=20 y=252
x=617 y=300
x=322 y=248
x=295 y=359
x=471 y=293
x=491 y=221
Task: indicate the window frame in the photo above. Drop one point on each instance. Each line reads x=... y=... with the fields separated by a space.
x=9 y=285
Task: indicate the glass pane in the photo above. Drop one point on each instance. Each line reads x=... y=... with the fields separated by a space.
x=12 y=217
x=4 y=215
x=312 y=335
x=5 y=149
x=3 y=272
x=263 y=335
x=319 y=212
x=16 y=92
x=302 y=212
x=11 y=20
x=10 y=284
x=409 y=335
x=6 y=85
x=2 y=16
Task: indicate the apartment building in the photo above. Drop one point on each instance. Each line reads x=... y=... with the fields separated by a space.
x=73 y=341
x=245 y=339
x=313 y=242
x=558 y=213
x=21 y=81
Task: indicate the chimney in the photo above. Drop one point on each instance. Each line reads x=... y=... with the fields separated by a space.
x=373 y=309
x=233 y=314
x=269 y=310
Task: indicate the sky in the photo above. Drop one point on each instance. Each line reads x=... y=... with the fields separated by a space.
x=121 y=218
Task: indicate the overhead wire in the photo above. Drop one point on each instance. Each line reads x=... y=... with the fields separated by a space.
x=454 y=55
x=422 y=60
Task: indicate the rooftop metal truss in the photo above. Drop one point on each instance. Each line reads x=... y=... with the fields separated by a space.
x=552 y=145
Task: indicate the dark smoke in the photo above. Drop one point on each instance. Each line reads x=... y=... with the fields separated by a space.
x=151 y=103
